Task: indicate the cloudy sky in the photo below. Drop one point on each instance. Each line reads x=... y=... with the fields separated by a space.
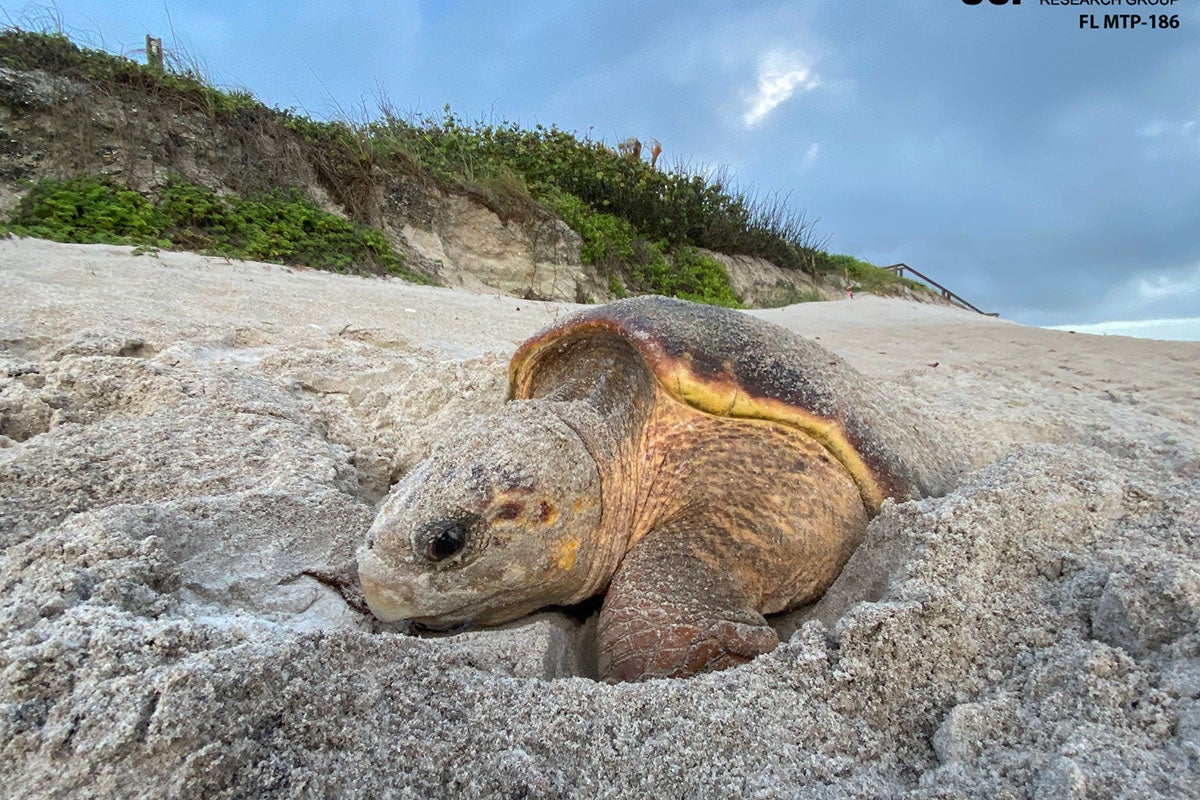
x=1044 y=171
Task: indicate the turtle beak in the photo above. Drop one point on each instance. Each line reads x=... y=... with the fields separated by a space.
x=382 y=592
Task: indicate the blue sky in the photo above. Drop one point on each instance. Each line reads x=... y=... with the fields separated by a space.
x=1046 y=172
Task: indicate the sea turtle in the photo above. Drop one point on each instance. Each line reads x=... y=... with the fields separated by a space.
x=701 y=465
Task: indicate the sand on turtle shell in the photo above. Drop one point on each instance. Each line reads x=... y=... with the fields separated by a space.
x=191 y=449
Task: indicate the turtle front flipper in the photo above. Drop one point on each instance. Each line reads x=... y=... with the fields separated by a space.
x=671 y=612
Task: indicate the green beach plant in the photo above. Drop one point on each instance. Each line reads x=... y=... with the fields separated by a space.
x=869 y=278
x=280 y=227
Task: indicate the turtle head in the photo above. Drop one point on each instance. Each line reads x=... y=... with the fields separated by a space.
x=497 y=522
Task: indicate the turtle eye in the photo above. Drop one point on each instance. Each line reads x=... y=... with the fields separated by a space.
x=447 y=542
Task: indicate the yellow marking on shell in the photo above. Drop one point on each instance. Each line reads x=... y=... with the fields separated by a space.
x=724 y=398
x=519 y=378
x=566 y=552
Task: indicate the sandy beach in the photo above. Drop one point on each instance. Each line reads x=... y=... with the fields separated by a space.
x=188 y=444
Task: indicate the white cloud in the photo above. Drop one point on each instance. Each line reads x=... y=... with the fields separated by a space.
x=1166 y=294
x=1152 y=129
x=1161 y=287
x=810 y=156
x=1157 y=305
x=1157 y=128
x=780 y=75
x=1170 y=138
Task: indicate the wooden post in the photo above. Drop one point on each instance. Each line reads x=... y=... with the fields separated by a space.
x=154 y=53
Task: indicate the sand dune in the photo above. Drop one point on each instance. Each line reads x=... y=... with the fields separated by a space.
x=190 y=447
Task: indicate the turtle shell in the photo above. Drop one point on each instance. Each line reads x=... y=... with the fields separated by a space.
x=730 y=364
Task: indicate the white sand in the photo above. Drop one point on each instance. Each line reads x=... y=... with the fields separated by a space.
x=184 y=437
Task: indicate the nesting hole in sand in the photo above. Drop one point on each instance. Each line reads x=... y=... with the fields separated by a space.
x=560 y=641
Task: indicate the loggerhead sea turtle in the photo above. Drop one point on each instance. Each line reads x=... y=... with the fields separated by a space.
x=701 y=465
